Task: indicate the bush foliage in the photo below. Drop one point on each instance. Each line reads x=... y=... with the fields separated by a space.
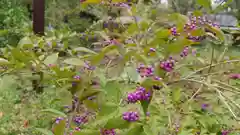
x=143 y=76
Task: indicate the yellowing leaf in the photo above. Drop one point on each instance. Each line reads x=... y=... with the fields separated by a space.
x=74 y=61
x=3 y=61
x=197 y=32
x=51 y=59
x=25 y=41
x=59 y=128
x=218 y=32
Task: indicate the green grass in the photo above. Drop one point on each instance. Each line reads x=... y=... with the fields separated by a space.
x=19 y=106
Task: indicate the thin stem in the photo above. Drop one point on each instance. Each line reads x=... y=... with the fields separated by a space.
x=210 y=66
x=233 y=102
x=201 y=69
x=200 y=88
x=226 y=85
x=223 y=100
x=223 y=53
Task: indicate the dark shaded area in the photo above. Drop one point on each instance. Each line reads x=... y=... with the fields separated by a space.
x=38 y=28
x=30 y=11
x=38 y=16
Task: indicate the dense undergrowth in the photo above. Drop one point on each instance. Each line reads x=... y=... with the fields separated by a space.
x=146 y=74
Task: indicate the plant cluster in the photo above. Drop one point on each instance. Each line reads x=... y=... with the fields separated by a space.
x=175 y=93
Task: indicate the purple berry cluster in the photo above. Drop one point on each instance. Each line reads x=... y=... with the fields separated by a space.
x=234 y=76
x=108 y=132
x=80 y=120
x=226 y=132
x=174 y=31
x=185 y=52
x=193 y=24
x=145 y=71
x=140 y=94
x=130 y=116
x=168 y=65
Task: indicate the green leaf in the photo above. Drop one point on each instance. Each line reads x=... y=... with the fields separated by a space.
x=44 y=131
x=135 y=130
x=58 y=129
x=148 y=130
x=205 y=3
x=18 y=55
x=163 y=33
x=55 y=112
x=176 y=95
x=88 y=93
x=25 y=42
x=144 y=25
x=128 y=56
x=87 y=132
x=218 y=32
x=197 y=32
x=74 y=61
x=116 y=70
x=51 y=59
x=113 y=91
x=83 y=49
x=141 y=58
x=117 y=123
x=3 y=32
x=197 y=13
x=103 y=118
x=96 y=59
x=179 y=19
x=132 y=28
x=178 y=45
x=132 y=74
x=151 y=128
x=107 y=108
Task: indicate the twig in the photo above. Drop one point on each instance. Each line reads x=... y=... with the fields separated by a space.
x=201 y=69
x=223 y=100
x=227 y=85
x=210 y=66
x=200 y=88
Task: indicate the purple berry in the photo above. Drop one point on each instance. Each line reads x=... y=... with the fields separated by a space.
x=168 y=65
x=225 y=132
x=145 y=71
x=77 y=77
x=108 y=132
x=80 y=120
x=130 y=116
x=57 y=121
x=234 y=76
x=139 y=94
x=205 y=106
